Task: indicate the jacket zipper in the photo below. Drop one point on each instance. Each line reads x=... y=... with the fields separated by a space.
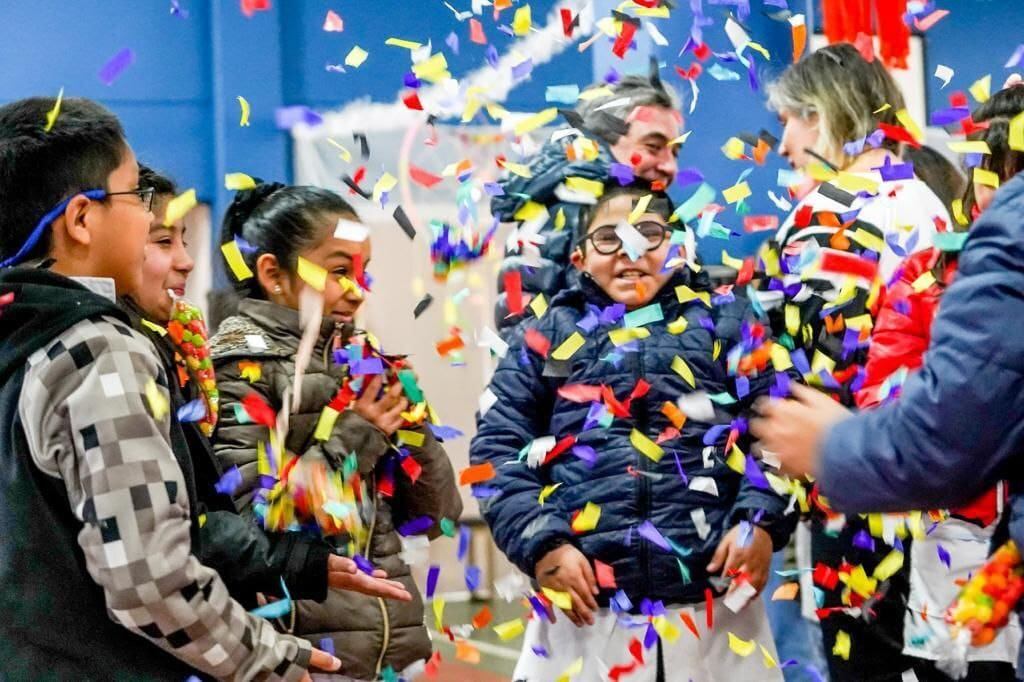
x=644 y=485
x=380 y=602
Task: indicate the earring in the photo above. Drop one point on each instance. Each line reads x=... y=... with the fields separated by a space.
x=277 y=289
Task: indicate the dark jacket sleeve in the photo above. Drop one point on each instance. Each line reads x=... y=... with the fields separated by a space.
x=435 y=493
x=960 y=419
x=250 y=560
x=522 y=528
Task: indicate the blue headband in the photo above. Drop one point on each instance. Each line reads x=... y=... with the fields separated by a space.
x=37 y=233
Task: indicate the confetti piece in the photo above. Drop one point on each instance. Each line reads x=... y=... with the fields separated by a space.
x=767 y=659
x=605 y=575
x=117 y=64
x=466 y=652
x=244 y=104
x=568 y=347
x=179 y=206
x=538 y=120
x=516 y=169
x=159 y=406
x=355 y=57
x=238 y=181
x=477 y=473
x=798 y=30
x=509 y=629
x=333 y=22
x=325 y=424
x=981 y=89
x=944 y=74
x=562 y=94
x=51 y=115
x=562 y=600
x=235 y=261
x=741 y=647
x=646 y=445
x=1016 y=135
x=422 y=177
x=680 y=367
x=312 y=274
x=476 y=32
x=687 y=619
x=786 y=592
x=841 y=648
x=587 y=519
x=986 y=177
x=521 y=21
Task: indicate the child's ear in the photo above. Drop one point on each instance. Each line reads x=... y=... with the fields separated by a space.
x=270 y=275
x=577 y=258
x=76 y=226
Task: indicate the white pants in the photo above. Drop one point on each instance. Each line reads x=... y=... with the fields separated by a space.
x=604 y=645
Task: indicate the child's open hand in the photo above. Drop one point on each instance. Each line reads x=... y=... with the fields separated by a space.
x=344 y=574
x=752 y=561
x=566 y=569
x=384 y=413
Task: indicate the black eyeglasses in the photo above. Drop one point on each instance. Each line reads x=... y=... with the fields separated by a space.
x=145 y=195
x=607 y=242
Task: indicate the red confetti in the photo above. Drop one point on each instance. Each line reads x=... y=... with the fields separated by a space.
x=702 y=52
x=803 y=216
x=709 y=603
x=746 y=272
x=513 y=280
x=560 y=447
x=537 y=342
x=250 y=7
x=567 y=27
x=760 y=223
x=580 y=393
x=848 y=264
x=625 y=38
x=412 y=469
x=688 y=622
x=476 y=32
x=422 y=177
x=605 y=575
x=899 y=134
x=258 y=410
x=412 y=101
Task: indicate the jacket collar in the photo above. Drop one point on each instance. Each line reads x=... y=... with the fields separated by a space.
x=588 y=291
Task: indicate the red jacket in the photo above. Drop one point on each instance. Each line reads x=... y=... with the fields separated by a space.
x=900 y=338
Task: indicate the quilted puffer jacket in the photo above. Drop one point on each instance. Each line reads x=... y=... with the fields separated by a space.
x=368 y=634
x=660 y=521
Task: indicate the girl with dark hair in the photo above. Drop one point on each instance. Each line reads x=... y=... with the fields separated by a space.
x=901 y=336
x=302 y=244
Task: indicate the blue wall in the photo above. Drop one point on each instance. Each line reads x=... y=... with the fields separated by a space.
x=178 y=100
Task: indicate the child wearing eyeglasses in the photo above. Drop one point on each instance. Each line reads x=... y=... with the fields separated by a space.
x=622 y=483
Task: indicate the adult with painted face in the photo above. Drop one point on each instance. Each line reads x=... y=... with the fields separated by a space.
x=634 y=122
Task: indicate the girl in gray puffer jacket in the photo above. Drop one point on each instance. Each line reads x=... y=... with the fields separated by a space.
x=283 y=234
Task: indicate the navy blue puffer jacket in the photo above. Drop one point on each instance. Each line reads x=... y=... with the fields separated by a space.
x=529 y=406
x=549 y=168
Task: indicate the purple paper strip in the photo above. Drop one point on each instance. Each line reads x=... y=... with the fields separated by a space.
x=432 y=575
x=652 y=534
x=417 y=526
x=117 y=64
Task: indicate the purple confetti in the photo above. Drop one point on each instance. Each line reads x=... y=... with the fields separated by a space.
x=367 y=366
x=442 y=432
x=463 y=542
x=229 y=482
x=492 y=56
x=650 y=636
x=944 y=117
x=755 y=475
x=472 y=578
x=895 y=171
x=117 y=64
x=943 y=555
x=452 y=41
x=689 y=176
x=1015 y=58
x=648 y=531
x=178 y=11
x=522 y=69
x=538 y=607
x=585 y=453
x=482 y=492
x=620 y=602
x=539 y=650
x=712 y=435
x=287 y=118
x=192 y=411
x=863 y=540
x=416 y=526
x=679 y=467
x=411 y=81
x=621 y=172
x=363 y=564
x=493 y=189
x=327 y=645
x=432 y=575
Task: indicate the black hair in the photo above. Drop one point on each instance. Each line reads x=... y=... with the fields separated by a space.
x=939 y=173
x=661 y=203
x=40 y=168
x=281 y=220
x=161 y=184
x=1003 y=161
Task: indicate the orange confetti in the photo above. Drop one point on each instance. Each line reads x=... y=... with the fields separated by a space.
x=478 y=473
x=674 y=414
x=464 y=651
x=688 y=622
x=786 y=592
x=482 y=618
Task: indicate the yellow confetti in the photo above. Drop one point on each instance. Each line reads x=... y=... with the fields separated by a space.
x=594 y=93
x=560 y=219
x=620 y=337
x=741 y=647
x=153 y=327
x=509 y=629
x=439 y=613
x=969 y=147
x=433 y=68
x=677 y=326
x=407 y=44
x=385 y=183
x=538 y=120
x=781 y=360
x=568 y=347
x=530 y=210
x=681 y=139
x=767 y=659
x=539 y=305
x=562 y=600
x=729 y=261
x=312 y=274
x=985 y=177
x=179 y=206
x=680 y=367
x=736 y=460
x=546 y=491
x=868 y=240
x=667 y=631
x=884 y=107
x=1016 y=136
x=685 y=294
x=413 y=438
x=244 y=104
x=854 y=183
x=859 y=581
x=343 y=152
x=355 y=57
x=646 y=445
x=888 y=566
x=51 y=115
x=574 y=668
x=325 y=425
x=958 y=212
x=737 y=192
x=733 y=148
x=250 y=371
x=908 y=122
x=517 y=169
x=159 y=405
x=842 y=646
x=923 y=282
x=981 y=89
x=521 y=21
x=587 y=519
x=593 y=187
x=640 y=208
x=238 y=181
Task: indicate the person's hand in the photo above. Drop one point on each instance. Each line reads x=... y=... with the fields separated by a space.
x=565 y=569
x=792 y=429
x=343 y=574
x=321 y=661
x=386 y=413
x=752 y=562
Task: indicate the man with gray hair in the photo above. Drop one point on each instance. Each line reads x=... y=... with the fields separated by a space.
x=628 y=130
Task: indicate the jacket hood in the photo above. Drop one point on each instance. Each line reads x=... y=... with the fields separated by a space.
x=278 y=325
x=549 y=168
x=44 y=305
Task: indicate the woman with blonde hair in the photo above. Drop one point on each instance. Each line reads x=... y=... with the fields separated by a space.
x=861 y=211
